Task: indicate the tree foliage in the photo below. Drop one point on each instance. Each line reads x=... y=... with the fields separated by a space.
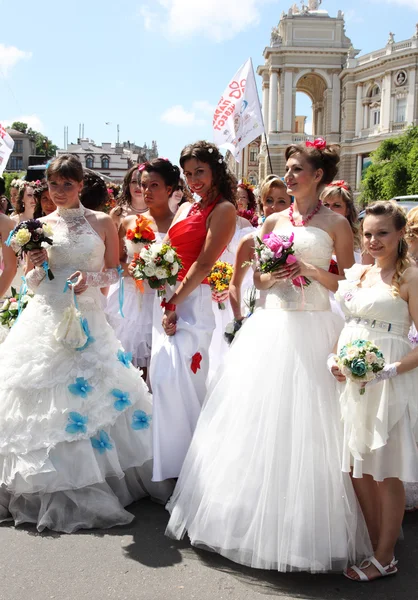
x=394 y=169
x=43 y=145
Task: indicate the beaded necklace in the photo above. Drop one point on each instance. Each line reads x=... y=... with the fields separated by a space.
x=304 y=220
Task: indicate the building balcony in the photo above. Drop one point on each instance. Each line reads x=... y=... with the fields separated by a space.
x=398 y=126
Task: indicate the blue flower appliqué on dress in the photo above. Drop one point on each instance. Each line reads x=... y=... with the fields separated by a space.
x=81 y=387
x=76 y=423
x=102 y=443
x=140 y=420
x=125 y=358
x=90 y=338
x=122 y=401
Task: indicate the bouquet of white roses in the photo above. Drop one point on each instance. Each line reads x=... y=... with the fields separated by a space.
x=12 y=306
x=158 y=264
x=31 y=235
x=360 y=361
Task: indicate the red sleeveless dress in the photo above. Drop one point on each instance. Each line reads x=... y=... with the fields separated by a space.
x=188 y=236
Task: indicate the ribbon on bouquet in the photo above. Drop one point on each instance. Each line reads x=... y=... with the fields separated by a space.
x=121 y=290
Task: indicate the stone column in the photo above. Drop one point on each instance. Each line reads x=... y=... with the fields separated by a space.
x=266 y=104
x=288 y=117
x=359 y=170
x=359 y=110
x=336 y=104
x=411 y=96
x=274 y=94
x=386 y=102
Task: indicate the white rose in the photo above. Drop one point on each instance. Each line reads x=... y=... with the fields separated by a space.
x=370 y=358
x=229 y=328
x=155 y=249
x=174 y=269
x=47 y=229
x=266 y=255
x=25 y=298
x=161 y=273
x=6 y=305
x=149 y=271
x=144 y=254
x=169 y=256
x=352 y=353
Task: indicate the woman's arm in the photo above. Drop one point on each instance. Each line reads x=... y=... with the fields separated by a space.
x=9 y=258
x=220 y=231
x=264 y=281
x=245 y=253
x=410 y=360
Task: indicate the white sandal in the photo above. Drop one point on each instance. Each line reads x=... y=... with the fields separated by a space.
x=390 y=569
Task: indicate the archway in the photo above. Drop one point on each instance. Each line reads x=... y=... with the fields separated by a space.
x=315 y=87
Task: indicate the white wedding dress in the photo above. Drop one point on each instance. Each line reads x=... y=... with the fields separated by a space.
x=262 y=481
x=134 y=330
x=75 y=425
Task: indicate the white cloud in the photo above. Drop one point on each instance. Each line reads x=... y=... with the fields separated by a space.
x=179 y=116
x=204 y=106
x=408 y=3
x=215 y=19
x=10 y=56
x=32 y=121
x=352 y=17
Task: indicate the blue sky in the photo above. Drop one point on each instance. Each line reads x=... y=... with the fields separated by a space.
x=155 y=67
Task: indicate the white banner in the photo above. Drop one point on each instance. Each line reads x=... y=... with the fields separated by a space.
x=237 y=120
x=6 y=148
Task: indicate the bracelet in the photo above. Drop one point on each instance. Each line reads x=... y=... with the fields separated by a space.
x=168 y=305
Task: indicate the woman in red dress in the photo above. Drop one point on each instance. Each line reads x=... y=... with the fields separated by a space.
x=179 y=362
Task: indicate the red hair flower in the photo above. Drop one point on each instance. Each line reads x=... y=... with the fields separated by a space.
x=319 y=144
x=196 y=360
x=340 y=183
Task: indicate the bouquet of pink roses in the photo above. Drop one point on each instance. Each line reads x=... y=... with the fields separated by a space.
x=274 y=251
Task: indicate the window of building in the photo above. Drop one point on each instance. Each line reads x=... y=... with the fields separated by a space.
x=376 y=117
x=105 y=162
x=400 y=116
x=16 y=163
x=18 y=147
x=89 y=162
x=253 y=154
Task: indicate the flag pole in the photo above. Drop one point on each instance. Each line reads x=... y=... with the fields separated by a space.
x=268 y=153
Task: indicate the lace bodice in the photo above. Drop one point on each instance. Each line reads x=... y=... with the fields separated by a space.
x=76 y=247
x=373 y=303
x=314 y=246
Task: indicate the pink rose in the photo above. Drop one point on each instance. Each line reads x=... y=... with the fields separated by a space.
x=274 y=242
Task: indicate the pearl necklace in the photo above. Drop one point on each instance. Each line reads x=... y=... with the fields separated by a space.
x=304 y=220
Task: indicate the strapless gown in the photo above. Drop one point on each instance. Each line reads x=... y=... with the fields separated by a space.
x=262 y=481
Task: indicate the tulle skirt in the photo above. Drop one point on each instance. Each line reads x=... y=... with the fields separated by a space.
x=262 y=481
x=134 y=330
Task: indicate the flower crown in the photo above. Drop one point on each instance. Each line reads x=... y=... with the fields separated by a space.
x=319 y=144
x=340 y=184
x=246 y=184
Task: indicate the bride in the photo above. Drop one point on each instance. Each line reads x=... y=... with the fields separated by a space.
x=75 y=417
x=262 y=481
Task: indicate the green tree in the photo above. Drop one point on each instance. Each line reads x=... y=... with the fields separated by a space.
x=43 y=145
x=8 y=178
x=394 y=169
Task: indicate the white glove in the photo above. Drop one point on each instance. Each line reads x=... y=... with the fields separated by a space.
x=387 y=372
x=102 y=278
x=34 y=277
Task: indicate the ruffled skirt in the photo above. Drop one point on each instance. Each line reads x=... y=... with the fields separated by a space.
x=262 y=481
x=75 y=426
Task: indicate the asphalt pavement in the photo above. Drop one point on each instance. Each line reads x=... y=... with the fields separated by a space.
x=138 y=562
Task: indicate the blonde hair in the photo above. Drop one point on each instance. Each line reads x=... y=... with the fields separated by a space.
x=344 y=191
x=271 y=182
x=412 y=224
x=396 y=212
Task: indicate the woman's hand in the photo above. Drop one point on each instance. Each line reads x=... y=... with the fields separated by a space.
x=334 y=369
x=38 y=257
x=79 y=282
x=220 y=296
x=169 y=322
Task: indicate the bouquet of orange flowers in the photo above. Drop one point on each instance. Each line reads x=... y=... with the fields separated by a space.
x=142 y=232
x=219 y=279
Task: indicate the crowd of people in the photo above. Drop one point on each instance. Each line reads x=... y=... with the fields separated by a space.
x=263 y=451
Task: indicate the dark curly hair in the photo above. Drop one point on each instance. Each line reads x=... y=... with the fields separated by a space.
x=326 y=159
x=223 y=180
x=40 y=189
x=169 y=172
x=94 y=194
x=252 y=203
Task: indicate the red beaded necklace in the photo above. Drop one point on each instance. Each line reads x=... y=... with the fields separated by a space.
x=307 y=219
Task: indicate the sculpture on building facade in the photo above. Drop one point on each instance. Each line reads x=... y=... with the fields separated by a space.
x=275 y=38
x=415 y=36
x=391 y=38
x=314 y=4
